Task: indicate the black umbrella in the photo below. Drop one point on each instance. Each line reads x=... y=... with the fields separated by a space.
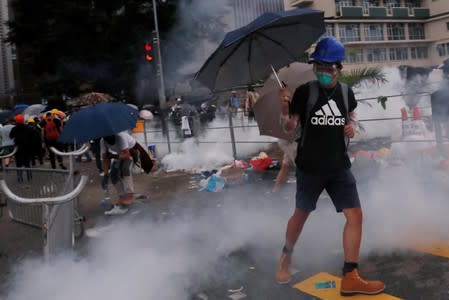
x=246 y=55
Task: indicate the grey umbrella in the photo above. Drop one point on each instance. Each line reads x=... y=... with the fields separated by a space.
x=246 y=55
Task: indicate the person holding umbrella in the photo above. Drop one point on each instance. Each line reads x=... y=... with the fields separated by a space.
x=324 y=109
x=118 y=147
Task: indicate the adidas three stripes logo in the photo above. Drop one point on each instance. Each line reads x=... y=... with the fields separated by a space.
x=329 y=115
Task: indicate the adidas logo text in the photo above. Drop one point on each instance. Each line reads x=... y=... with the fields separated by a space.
x=328 y=114
x=325 y=120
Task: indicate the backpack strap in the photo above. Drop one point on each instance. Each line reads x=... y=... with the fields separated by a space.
x=345 y=92
x=313 y=98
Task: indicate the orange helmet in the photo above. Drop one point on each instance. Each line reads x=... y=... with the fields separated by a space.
x=20 y=119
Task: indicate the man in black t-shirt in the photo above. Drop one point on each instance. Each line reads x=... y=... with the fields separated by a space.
x=324 y=109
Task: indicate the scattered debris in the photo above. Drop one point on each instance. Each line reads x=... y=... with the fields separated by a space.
x=237 y=290
x=202 y=296
x=97 y=232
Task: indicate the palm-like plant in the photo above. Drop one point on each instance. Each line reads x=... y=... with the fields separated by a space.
x=355 y=77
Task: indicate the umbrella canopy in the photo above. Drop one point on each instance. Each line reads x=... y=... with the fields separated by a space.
x=246 y=55
x=98 y=121
x=268 y=108
x=34 y=110
x=20 y=106
x=146 y=114
x=93 y=98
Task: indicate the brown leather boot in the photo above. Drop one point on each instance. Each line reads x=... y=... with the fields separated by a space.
x=352 y=284
x=283 y=273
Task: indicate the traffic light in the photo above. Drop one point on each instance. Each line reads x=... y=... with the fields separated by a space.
x=148 y=51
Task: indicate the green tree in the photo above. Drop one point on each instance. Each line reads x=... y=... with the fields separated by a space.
x=63 y=43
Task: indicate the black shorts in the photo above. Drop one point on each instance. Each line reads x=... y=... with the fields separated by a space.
x=340 y=185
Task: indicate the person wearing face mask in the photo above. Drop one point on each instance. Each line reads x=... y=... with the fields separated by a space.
x=325 y=109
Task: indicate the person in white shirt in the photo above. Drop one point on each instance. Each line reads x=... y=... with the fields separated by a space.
x=118 y=149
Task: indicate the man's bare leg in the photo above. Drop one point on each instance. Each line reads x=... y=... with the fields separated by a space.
x=294 y=229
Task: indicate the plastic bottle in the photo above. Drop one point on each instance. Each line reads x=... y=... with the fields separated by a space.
x=328 y=284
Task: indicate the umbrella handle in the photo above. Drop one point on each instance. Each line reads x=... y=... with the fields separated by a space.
x=281 y=84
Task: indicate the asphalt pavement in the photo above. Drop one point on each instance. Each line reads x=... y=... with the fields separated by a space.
x=256 y=218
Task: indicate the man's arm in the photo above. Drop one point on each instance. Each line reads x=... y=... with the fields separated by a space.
x=349 y=129
x=288 y=122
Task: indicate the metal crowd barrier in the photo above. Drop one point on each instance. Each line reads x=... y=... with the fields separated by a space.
x=46 y=198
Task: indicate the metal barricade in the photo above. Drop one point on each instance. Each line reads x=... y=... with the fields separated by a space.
x=44 y=198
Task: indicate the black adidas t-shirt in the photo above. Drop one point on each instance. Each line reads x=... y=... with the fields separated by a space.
x=324 y=146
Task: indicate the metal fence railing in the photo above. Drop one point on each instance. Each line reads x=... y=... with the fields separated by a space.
x=46 y=198
x=161 y=131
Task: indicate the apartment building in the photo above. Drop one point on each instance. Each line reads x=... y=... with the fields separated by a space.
x=393 y=32
x=7 y=54
x=246 y=11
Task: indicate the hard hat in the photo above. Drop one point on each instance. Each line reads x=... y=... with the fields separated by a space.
x=20 y=119
x=328 y=50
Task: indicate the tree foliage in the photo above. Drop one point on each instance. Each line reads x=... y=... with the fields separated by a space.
x=63 y=43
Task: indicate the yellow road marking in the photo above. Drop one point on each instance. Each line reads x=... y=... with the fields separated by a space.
x=434 y=247
x=308 y=286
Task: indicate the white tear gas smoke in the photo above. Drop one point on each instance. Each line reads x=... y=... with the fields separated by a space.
x=170 y=259
x=217 y=150
x=200 y=27
x=149 y=260
x=369 y=110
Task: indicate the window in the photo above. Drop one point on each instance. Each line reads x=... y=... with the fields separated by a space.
x=366 y=4
x=354 y=56
x=400 y=53
x=447 y=25
x=374 y=32
x=441 y=49
x=349 y=32
x=330 y=31
x=390 y=4
x=412 y=4
x=416 y=31
x=418 y=52
x=395 y=31
x=376 y=54
x=343 y=3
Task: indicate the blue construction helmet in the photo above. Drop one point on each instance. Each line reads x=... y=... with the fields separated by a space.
x=328 y=50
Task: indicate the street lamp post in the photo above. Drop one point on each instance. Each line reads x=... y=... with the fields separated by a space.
x=162 y=102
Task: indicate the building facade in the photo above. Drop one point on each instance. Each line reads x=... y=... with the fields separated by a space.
x=246 y=11
x=393 y=32
x=7 y=55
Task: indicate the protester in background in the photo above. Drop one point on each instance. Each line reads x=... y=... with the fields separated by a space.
x=36 y=142
x=118 y=149
x=440 y=110
x=7 y=143
x=288 y=160
x=234 y=102
x=22 y=135
x=52 y=127
x=323 y=163
x=251 y=98
x=96 y=150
